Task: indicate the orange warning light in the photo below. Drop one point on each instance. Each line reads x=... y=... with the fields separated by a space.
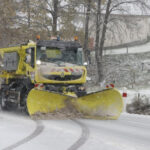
x=76 y=38
x=38 y=37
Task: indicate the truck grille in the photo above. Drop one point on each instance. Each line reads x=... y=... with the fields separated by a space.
x=65 y=78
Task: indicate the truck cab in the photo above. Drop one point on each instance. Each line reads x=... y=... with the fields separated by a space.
x=60 y=62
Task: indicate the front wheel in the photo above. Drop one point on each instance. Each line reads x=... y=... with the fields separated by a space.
x=7 y=105
x=3 y=105
x=24 y=103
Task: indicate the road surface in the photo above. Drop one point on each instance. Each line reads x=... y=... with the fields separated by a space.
x=19 y=132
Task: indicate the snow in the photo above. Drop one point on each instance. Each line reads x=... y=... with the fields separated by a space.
x=129 y=132
x=11 y=129
x=131 y=93
x=131 y=50
x=56 y=134
x=131 y=8
x=19 y=131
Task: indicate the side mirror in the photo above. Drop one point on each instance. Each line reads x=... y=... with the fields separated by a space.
x=1 y=67
x=1 y=62
x=30 y=56
x=28 y=59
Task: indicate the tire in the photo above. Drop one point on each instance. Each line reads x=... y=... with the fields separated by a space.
x=7 y=105
x=25 y=109
x=3 y=103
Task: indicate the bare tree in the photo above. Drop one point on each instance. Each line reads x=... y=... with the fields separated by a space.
x=85 y=48
x=97 y=58
x=55 y=17
x=28 y=13
x=110 y=7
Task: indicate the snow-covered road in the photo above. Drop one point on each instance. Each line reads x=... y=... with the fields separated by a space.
x=130 y=132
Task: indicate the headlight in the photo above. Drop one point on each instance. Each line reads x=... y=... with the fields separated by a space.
x=38 y=62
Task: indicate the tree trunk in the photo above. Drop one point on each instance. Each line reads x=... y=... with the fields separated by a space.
x=97 y=58
x=85 y=48
x=55 y=17
x=104 y=27
x=28 y=12
x=102 y=41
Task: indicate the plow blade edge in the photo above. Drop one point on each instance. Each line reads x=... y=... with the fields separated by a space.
x=106 y=104
x=45 y=102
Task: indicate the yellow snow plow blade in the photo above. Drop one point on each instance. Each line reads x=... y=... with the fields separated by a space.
x=106 y=104
x=44 y=102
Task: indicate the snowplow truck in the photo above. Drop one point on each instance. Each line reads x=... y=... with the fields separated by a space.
x=47 y=75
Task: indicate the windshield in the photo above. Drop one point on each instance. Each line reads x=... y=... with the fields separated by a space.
x=55 y=54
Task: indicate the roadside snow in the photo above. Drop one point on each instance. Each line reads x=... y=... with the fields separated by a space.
x=136 y=49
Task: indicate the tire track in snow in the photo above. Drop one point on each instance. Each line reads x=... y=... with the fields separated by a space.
x=83 y=138
x=35 y=133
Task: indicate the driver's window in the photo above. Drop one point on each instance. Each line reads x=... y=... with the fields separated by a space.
x=80 y=56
